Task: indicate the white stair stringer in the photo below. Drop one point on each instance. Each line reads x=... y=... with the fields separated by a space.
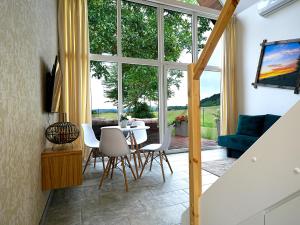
x=266 y=174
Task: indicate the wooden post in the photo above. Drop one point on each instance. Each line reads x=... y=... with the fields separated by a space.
x=194 y=145
x=215 y=36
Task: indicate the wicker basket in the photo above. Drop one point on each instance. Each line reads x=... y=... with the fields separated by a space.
x=62 y=133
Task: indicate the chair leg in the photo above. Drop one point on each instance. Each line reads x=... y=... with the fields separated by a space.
x=104 y=173
x=161 y=165
x=103 y=163
x=135 y=164
x=95 y=161
x=129 y=164
x=109 y=165
x=87 y=162
x=151 y=160
x=124 y=173
x=146 y=161
x=112 y=167
x=167 y=160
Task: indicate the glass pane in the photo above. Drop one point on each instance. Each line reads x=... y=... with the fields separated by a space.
x=139 y=30
x=104 y=88
x=210 y=106
x=140 y=96
x=102 y=15
x=178 y=36
x=177 y=108
x=205 y=27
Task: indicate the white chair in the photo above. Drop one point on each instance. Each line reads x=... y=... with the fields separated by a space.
x=113 y=144
x=160 y=149
x=91 y=142
x=139 y=135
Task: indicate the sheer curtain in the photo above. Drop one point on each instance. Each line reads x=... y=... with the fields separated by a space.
x=74 y=59
x=228 y=83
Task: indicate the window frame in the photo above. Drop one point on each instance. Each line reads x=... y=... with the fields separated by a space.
x=162 y=65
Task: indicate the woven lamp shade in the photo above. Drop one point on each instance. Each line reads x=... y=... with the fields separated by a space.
x=62 y=133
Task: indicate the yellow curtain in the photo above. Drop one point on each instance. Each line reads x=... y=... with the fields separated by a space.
x=228 y=83
x=74 y=60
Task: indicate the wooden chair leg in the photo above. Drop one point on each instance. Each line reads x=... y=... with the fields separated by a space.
x=109 y=165
x=95 y=161
x=87 y=162
x=129 y=164
x=124 y=173
x=103 y=163
x=104 y=173
x=167 y=160
x=146 y=161
x=151 y=160
x=136 y=165
x=161 y=165
x=112 y=167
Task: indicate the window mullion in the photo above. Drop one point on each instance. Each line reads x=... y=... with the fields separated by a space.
x=119 y=54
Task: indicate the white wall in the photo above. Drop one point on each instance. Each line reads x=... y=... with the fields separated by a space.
x=252 y=29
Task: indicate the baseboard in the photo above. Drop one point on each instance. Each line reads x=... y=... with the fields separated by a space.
x=44 y=215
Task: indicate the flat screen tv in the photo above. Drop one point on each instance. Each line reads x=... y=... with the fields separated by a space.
x=53 y=88
x=279 y=65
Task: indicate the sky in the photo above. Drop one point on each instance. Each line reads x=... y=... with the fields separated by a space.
x=280 y=59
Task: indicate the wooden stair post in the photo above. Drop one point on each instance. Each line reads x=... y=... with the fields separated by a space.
x=194 y=73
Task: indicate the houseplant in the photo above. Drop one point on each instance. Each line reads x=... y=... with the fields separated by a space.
x=181 y=125
x=123 y=120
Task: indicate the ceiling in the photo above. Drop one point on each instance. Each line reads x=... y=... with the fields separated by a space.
x=213 y=4
x=244 y=4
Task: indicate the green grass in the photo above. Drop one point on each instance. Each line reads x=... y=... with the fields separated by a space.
x=107 y=116
x=208 y=124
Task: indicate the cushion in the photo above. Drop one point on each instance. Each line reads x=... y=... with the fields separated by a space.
x=237 y=142
x=250 y=125
x=269 y=121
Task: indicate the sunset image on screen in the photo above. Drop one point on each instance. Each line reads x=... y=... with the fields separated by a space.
x=280 y=59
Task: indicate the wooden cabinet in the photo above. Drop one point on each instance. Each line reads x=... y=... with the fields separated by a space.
x=61 y=168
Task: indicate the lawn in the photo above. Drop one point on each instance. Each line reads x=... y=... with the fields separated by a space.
x=208 y=125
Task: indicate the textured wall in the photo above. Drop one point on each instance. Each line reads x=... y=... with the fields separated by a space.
x=28 y=45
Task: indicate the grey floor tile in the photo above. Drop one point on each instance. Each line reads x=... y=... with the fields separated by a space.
x=148 y=201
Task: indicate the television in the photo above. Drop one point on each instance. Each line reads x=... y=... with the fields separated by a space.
x=53 y=88
x=279 y=65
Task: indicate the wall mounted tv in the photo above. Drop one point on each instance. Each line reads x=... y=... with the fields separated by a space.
x=53 y=88
x=279 y=65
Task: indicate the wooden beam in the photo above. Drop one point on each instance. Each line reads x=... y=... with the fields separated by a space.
x=215 y=36
x=194 y=145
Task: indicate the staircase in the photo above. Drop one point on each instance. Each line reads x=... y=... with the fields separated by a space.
x=263 y=186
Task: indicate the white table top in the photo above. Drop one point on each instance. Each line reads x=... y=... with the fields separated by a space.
x=128 y=128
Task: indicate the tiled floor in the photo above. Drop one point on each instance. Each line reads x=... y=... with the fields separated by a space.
x=149 y=200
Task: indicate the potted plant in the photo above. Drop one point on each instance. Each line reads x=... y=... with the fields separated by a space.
x=181 y=125
x=123 y=120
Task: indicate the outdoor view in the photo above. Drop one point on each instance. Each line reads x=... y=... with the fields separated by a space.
x=135 y=87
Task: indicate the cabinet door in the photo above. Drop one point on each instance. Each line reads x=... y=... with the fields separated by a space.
x=286 y=214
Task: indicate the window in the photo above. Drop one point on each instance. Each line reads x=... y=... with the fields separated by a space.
x=178 y=36
x=103 y=26
x=139 y=54
x=104 y=90
x=139 y=30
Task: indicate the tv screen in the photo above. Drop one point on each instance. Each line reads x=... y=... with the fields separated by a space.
x=279 y=64
x=53 y=87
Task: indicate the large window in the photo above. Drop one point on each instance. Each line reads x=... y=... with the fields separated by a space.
x=139 y=53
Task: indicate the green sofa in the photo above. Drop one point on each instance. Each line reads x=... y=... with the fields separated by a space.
x=250 y=128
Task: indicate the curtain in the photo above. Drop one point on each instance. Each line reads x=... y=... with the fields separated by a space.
x=74 y=61
x=228 y=81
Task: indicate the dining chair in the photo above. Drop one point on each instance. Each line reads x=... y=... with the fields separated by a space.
x=135 y=140
x=113 y=144
x=159 y=150
x=91 y=142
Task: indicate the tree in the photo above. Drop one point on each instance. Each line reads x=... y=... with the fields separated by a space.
x=139 y=40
